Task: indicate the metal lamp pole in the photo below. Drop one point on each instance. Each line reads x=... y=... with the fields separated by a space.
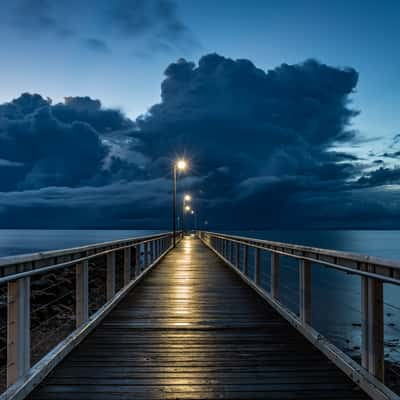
x=174 y=209
x=181 y=165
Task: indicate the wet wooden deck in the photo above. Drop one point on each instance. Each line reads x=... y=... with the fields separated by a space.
x=193 y=330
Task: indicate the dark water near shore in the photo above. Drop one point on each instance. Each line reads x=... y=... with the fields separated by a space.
x=336 y=295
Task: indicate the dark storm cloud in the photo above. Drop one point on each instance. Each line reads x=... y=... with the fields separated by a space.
x=279 y=123
x=264 y=150
x=381 y=176
x=56 y=145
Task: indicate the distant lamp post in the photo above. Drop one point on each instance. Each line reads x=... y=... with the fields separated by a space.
x=185 y=209
x=179 y=165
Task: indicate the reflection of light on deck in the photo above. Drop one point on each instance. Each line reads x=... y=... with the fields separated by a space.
x=183 y=290
x=181 y=323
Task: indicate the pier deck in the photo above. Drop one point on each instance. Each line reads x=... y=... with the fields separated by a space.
x=192 y=329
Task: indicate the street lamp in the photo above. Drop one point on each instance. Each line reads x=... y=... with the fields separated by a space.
x=180 y=165
x=185 y=208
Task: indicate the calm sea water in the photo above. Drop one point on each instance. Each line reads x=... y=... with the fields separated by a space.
x=336 y=296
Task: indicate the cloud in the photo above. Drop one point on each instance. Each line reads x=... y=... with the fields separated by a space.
x=97 y=45
x=265 y=150
x=39 y=16
x=56 y=145
x=150 y=26
x=157 y=20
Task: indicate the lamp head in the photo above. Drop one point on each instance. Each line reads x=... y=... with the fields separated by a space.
x=187 y=208
x=181 y=164
x=188 y=197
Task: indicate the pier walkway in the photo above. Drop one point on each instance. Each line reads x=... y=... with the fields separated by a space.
x=193 y=329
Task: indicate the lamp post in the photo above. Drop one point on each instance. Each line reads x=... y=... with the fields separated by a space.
x=185 y=208
x=181 y=166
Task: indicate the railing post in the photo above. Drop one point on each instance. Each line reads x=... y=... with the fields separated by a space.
x=231 y=251
x=256 y=265
x=238 y=255
x=151 y=252
x=245 y=258
x=156 y=248
x=137 y=261
x=145 y=255
x=110 y=285
x=305 y=291
x=18 y=330
x=364 y=322
x=82 y=292
x=127 y=265
x=372 y=356
x=275 y=263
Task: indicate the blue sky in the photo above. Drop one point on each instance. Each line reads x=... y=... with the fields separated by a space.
x=360 y=34
x=285 y=104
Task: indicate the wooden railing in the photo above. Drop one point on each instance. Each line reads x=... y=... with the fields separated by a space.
x=374 y=272
x=137 y=255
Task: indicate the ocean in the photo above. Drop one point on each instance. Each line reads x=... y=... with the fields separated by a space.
x=336 y=295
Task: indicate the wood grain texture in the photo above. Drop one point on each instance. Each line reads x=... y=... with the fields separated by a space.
x=193 y=330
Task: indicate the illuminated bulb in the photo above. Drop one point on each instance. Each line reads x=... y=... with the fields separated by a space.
x=187 y=208
x=188 y=197
x=181 y=164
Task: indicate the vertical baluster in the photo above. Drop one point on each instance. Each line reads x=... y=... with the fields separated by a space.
x=245 y=259
x=82 y=292
x=364 y=321
x=18 y=330
x=238 y=255
x=373 y=326
x=151 y=252
x=127 y=265
x=257 y=266
x=305 y=291
x=275 y=264
x=137 y=261
x=145 y=253
x=110 y=284
x=231 y=251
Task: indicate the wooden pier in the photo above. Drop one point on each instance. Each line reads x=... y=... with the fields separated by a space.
x=194 y=330
x=190 y=324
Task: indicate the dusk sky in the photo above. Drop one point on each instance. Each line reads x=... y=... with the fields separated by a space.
x=287 y=111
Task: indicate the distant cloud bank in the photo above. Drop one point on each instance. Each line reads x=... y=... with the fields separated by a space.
x=265 y=148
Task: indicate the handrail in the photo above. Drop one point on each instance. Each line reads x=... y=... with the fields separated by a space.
x=9 y=261
x=41 y=270
x=373 y=272
x=358 y=264
x=140 y=254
